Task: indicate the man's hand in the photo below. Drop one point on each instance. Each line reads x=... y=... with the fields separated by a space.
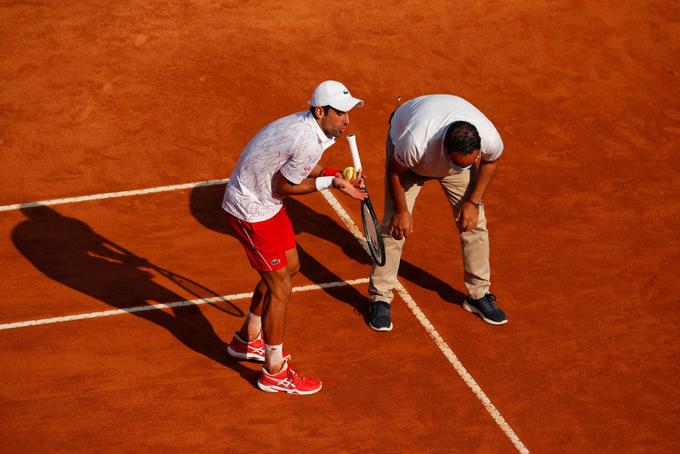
x=468 y=216
x=347 y=188
x=357 y=179
x=401 y=225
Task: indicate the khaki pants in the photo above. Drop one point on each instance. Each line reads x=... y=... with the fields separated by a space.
x=474 y=244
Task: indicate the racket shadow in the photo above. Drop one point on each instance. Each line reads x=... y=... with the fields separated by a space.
x=206 y=208
x=69 y=251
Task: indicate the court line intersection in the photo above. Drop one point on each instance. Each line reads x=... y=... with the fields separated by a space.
x=351 y=226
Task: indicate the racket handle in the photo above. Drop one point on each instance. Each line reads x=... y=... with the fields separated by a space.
x=356 y=161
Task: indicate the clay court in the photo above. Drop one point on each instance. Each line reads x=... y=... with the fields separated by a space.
x=144 y=107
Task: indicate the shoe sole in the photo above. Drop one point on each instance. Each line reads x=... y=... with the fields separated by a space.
x=388 y=328
x=280 y=389
x=474 y=310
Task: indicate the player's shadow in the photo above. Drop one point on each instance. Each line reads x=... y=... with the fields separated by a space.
x=70 y=252
x=206 y=208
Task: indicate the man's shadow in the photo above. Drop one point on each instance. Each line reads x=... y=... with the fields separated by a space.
x=70 y=252
x=422 y=278
x=206 y=208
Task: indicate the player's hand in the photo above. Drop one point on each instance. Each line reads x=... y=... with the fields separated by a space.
x=468 y=217
x=358 y=180
x=401 y=225
x=347 y=188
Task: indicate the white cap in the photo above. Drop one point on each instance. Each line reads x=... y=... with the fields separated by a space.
x=334 y=94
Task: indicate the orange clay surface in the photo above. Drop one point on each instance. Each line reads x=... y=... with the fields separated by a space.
x=100 y=97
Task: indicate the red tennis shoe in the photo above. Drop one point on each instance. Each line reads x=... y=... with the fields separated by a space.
x=287 y=380
x=250 y=351
x=240 y=349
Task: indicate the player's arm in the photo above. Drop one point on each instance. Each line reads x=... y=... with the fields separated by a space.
x=401 y=224
x=309 y=185
x=470 y=212
x=285 y=187
x=321 y=171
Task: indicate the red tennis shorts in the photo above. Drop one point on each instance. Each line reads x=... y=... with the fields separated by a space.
x=266 y=242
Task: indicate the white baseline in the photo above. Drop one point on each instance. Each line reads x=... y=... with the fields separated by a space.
x=111 y=195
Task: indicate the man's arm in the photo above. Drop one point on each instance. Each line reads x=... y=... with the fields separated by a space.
x=401 y=224
x=285 y=187
x=469 y=211
x=316 y=171
x=308 y=185
x=320 y=170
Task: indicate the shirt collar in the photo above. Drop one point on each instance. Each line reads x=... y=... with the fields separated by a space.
x=324 y=140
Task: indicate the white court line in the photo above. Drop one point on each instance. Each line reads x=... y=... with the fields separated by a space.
x=434 y=334
x=111 y=195
x=349 y=223
x=153 y=307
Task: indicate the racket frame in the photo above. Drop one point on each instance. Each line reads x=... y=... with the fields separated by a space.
x=378 y=256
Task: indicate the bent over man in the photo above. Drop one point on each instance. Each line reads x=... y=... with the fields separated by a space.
x=279 y=161
x=442 y=138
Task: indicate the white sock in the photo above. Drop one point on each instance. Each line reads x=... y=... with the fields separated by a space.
x=273 y=357
x=253 y=324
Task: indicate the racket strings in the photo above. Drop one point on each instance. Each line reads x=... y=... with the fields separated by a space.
x=373 y=233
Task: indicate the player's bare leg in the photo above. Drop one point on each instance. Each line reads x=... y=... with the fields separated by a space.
x=293 y=261
x=279 y=288
x=277 y=375
x=251 y=330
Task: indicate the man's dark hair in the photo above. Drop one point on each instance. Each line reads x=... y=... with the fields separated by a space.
x=461 y=137
x=313 y=110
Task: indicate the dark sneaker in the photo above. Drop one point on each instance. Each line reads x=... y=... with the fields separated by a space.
x=486 y=308
x=380 y=316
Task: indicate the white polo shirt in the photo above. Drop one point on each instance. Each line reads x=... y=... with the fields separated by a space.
x=292 y=145
x=418 y=127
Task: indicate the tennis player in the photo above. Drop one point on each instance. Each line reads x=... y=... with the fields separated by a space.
x=447 y=139
x=279 y=161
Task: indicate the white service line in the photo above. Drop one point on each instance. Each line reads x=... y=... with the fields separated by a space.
x=434 y=334
x=152 y=307
x=111 y=195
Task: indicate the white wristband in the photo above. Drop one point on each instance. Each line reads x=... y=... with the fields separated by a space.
x=323 y=183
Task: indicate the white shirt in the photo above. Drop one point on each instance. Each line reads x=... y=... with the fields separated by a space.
x=292 y=145
x=417 y=132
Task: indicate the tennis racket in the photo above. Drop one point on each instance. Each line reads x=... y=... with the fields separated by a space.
x=369 y=220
